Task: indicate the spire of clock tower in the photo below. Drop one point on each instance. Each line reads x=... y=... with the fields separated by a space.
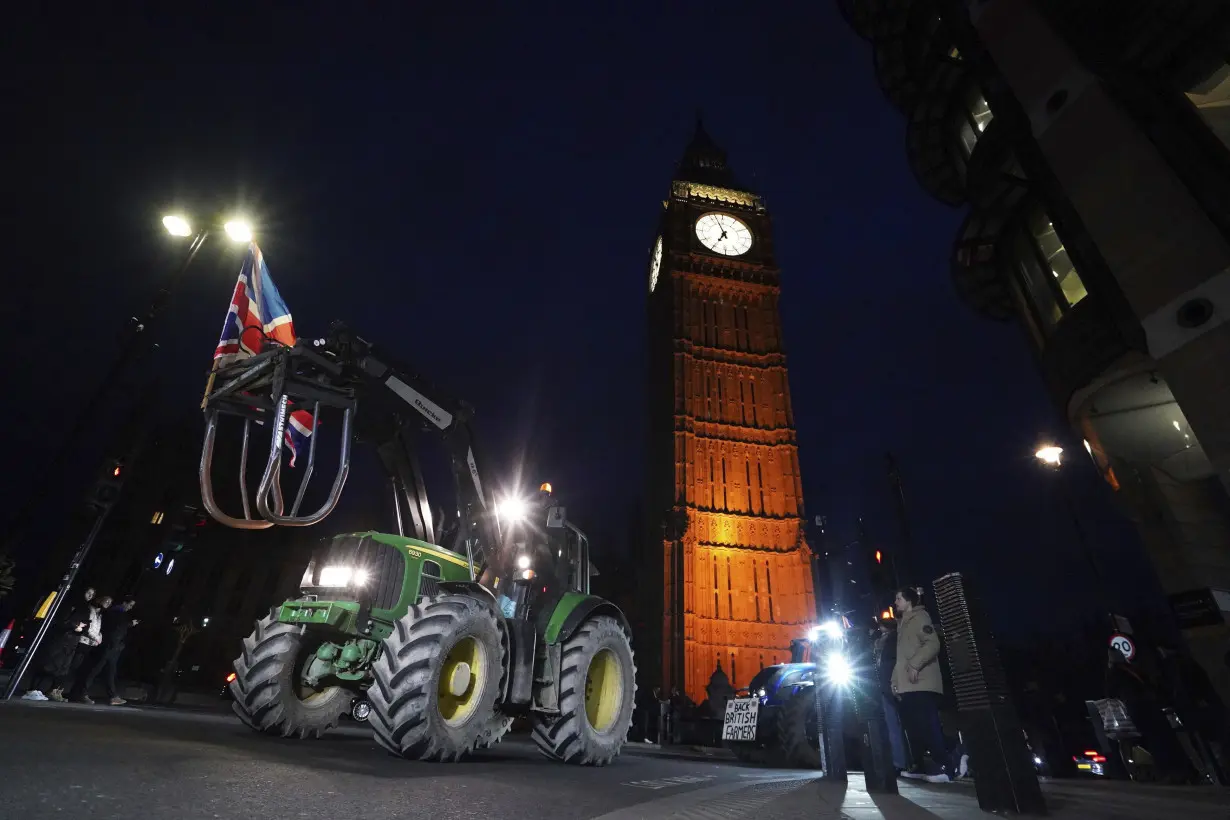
x=704 y=161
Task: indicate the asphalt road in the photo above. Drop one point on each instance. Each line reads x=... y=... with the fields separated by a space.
x=59 y=760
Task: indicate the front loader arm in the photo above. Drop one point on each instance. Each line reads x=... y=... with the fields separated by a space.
x=343 y=371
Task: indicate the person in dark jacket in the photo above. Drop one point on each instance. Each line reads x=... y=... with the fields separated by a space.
x=60 y=649
x=115 y=625
x=886 y=659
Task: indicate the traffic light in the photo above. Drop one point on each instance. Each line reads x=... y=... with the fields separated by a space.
x=183 y=526
x=881 y=573
x=107 y=487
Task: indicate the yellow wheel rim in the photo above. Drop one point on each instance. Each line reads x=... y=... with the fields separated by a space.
x=604 y=690
x=462 y=681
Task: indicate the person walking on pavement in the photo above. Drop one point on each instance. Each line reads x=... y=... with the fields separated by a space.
x=886 y=661
x=87 y=643
x=917 y=682
x=61 y=647
x=115 y=625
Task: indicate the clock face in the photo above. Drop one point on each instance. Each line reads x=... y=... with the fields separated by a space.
x=722 y=233
x=655 y=264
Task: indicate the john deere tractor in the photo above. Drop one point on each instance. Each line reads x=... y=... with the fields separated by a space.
x=449 y=629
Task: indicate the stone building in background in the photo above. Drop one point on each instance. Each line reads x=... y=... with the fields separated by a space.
x=734 y=581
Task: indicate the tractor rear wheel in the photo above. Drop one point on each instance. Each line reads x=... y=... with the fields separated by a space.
x=268 y=694
x=597 y=692
x=437 y=680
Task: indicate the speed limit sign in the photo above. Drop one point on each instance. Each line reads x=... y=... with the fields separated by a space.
x=1123 y=645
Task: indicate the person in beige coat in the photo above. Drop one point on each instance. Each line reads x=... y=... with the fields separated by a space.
x=919 y=686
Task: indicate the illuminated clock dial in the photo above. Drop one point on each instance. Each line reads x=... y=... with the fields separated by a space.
x=722 y=233
x=655 y=264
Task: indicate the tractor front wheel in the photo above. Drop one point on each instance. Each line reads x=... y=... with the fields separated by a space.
x=437 y=680
x=597 y=692
x=794 y=747
x=268 y=694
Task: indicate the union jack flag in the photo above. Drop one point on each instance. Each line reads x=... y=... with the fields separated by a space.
x=256 y=320
x=257 y=317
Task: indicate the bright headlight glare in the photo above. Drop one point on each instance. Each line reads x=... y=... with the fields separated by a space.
x=512 y=509
x=342 y=576
x=837 y=670
x=523 y=562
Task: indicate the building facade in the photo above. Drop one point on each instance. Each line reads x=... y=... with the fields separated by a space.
x=725 y=495
x=1090 y=146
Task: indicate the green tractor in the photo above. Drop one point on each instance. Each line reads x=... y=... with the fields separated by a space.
x=442 y=646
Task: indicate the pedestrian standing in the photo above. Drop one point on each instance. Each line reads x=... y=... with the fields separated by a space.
x=886 y=661
x=918 y=684
x=87 y=643
x=115 y=625
x=63 y=638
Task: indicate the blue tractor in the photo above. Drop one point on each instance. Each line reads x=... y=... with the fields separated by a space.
x=773 y=721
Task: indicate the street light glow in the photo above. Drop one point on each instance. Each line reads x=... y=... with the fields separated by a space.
x=239 y=230
x=1050 y=455
x=176 y=225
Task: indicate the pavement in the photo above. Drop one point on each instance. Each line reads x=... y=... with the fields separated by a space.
x=141 y=763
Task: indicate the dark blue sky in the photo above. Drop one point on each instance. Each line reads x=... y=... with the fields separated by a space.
x=478 y=192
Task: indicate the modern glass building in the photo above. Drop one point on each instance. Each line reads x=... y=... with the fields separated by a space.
x=1089 y=146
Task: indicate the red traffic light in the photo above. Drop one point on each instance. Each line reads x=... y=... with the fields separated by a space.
x=878 y=556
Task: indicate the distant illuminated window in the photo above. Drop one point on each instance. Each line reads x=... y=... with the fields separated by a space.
x=975 y=117
x=156 y=519
x=1212 y=100
x=1049 y=277
x=1057 y=259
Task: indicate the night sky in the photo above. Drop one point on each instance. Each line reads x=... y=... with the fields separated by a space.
x=478 y=193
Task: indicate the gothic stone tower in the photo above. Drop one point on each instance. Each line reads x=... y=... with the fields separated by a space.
x=724 y=487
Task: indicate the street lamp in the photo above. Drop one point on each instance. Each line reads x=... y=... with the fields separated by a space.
x=1050 y=455
x=176 y=225
x=239 y=230
x=136 y=342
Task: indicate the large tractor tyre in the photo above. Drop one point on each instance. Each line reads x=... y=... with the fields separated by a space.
x=437 y=680
x=267 y=691
x=597 y=693
x=793 y=747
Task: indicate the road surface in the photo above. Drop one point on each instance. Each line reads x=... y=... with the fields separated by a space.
x=135 y=763
x=64 y=760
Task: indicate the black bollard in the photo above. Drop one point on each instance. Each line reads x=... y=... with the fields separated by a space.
x=1004 y=775
x=833 y=740
x=874 y=749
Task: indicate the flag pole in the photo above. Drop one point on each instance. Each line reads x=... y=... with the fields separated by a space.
x=209 y=385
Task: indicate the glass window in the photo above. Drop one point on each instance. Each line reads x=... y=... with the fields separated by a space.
x=1212 y=100
x=975 y=117
x=1046 y=271
x=1055 y=255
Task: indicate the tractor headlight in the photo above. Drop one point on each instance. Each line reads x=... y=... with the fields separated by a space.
x=837 y=670
x=342 y=576
x=512 y=509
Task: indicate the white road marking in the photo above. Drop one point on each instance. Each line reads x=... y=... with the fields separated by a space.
x=667 y=782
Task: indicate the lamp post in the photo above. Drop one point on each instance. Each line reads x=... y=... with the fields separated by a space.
x=1050 y=456
x=136 y=335
x=137 y=342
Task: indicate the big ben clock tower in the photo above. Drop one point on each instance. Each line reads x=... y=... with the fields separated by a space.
x=724 y=488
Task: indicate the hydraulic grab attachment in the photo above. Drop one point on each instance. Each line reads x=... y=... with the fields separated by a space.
x=442 y=632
